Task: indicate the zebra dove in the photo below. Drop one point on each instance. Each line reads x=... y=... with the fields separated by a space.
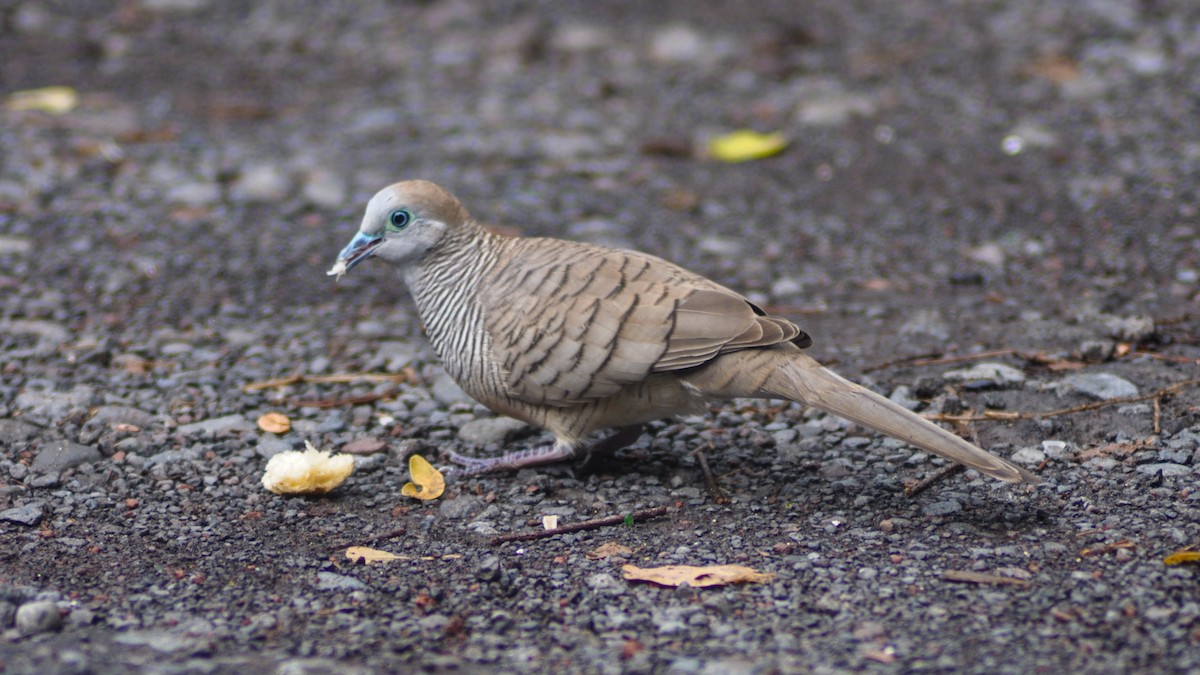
x=577 y=338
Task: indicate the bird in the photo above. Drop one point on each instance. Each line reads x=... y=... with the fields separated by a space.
x=578 y=338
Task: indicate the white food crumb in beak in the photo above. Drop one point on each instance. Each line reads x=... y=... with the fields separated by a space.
x=338 y=270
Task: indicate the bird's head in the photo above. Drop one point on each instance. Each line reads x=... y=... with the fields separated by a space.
x=402 y=223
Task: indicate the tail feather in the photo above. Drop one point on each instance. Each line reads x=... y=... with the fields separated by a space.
x=805 y=381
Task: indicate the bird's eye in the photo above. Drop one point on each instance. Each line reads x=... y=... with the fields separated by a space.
x=399 y=219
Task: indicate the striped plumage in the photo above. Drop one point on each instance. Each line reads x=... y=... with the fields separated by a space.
x=576 y=338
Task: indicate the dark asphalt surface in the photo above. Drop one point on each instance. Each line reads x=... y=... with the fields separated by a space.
x=1015 y=181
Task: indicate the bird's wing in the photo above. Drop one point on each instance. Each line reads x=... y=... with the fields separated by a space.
x=571 y=322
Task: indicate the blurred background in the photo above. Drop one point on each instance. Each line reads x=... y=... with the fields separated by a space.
x=216 y=154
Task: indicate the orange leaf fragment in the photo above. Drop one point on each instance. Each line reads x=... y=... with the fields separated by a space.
x=696 y=577
x=608 y=550
x=275 y=423
x=745 y=145
x=427 y=482
x=1180 y=557
x=369 y=555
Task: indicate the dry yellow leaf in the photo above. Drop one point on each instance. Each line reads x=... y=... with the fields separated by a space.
x=608 y=550
x=308 y=472
x=275 y=423
x=427 y=482
x=54 y=100
x=1180 y=557
x=745 y=145
x=369 y=555
x=696 y=577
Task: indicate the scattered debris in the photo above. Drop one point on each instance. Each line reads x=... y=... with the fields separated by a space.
x=745 y=145
x=609 y=550
x=427 y=482
x=626 y=519
x=696 y=577
x=308 y=472
x=275 y=423
x=982 y=578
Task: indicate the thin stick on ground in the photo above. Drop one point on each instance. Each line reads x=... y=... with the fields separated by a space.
x=341 y=378
x=914 y=489
x=999 y=415
x=594 y=524
x=710 y=480
x=939 y=359
x=344 y=400
x=982 y=578
x=372 y=540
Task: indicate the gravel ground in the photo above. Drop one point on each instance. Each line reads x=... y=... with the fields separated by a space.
x=963 y=177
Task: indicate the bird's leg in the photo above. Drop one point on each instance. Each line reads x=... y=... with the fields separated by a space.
x=545 y=454
x=623 y=437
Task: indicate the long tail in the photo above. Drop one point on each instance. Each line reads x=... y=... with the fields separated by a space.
x=806 y=381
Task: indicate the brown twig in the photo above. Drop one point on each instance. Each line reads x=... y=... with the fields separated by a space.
x=344 y=400
x=981 y=578
x=709 y=479
x=342 y=378
x=595 y=523
x=912 y=489
x=1167 y=357
x=937 y=359
x=371 y=541
x=994 y=415
x=1157 y=414
x=1107 y=548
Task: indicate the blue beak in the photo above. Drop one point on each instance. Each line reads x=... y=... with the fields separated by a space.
x=359 y=249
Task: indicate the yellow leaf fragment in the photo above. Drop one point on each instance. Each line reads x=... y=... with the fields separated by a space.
x=370 y=555
x=745 y=145
x=275 y=423
x=1180 y=557
x=696 y=577
x=427 y=482
x=308 y=472
x=54 y=100
x=608 y=550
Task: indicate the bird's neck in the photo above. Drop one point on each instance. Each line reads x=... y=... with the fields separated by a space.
x=445 y=288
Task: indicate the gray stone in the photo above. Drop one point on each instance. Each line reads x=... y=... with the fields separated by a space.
x=271 y=445
x=38 y=617
x=1028 y=456
x=59 y=456
x=902 y=396
x=27 y=514
x=942 y=508
x=8 y=612
x=1129 y=328
x=1168 y=469
x=324 y=189
x=331 y=581
x=48 y=406
x=834 y=108
x=13 y=432
x=50 y=336
x=193 y=193
x=997 y=374
x=447 y=392
x=262 y=183
x=927 y=322
x=488 y=569
x=121 y=414
x=216 y=425
x=158 y=640
x=491 y=430
x=1103 y=386
x=462 y=506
